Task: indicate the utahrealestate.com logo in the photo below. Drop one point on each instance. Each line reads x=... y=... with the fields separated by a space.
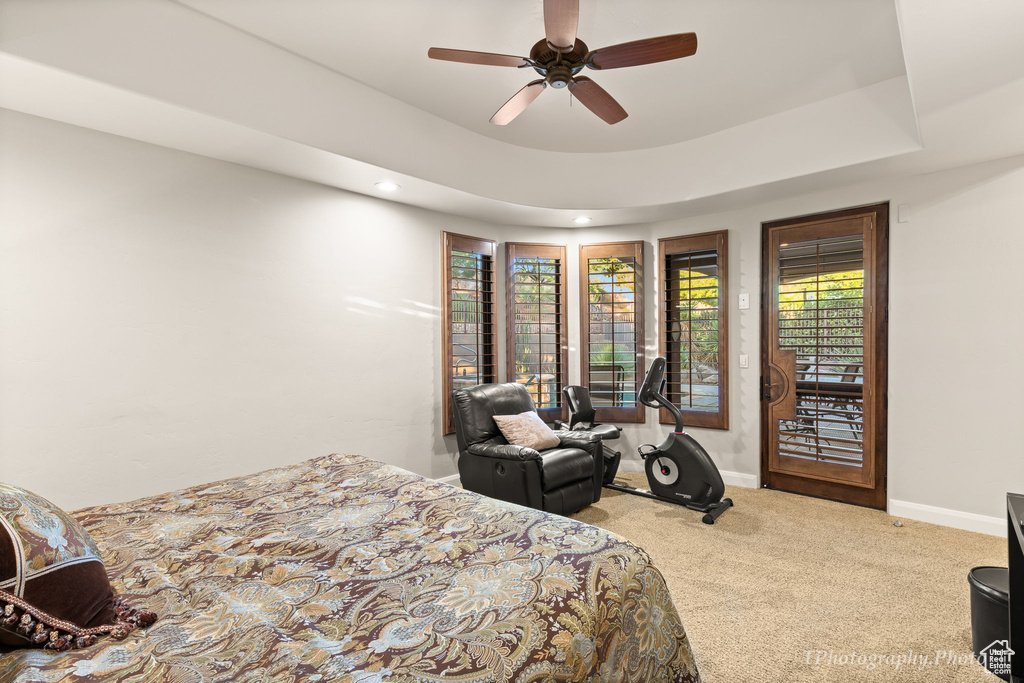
x=996 y=657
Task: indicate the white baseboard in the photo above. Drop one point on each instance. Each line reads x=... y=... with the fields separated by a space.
x=968 y=521
x=994 y=526
x=452 y=479
x=749 y=481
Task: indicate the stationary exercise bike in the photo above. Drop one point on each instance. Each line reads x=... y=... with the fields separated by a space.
x=679 y=470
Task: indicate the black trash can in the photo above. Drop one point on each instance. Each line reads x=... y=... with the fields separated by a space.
x=990 y=617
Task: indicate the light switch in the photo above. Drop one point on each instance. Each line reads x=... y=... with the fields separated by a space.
x=744 y=360
x=744 y=302
x=903 y=213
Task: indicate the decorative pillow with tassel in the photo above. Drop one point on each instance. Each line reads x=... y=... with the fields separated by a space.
x=54 y=590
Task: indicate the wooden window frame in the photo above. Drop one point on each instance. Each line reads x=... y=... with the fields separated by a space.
x=634 y=250
x=514 y=250
x=488 y=248
x=706 y=241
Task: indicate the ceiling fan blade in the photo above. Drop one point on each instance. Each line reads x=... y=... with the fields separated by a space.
x=561 y=19
x=470 y=57
x=596 y=99
x=518 y=103
x=646 y=51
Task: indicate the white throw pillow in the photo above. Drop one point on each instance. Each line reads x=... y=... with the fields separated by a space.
x=526 y=429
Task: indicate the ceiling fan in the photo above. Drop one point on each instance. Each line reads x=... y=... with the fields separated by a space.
x=560 y=55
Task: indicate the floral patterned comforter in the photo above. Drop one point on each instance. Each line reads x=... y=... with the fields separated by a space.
x=343 y=568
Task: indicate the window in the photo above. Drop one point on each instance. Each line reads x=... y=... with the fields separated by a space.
x=694 y=334
x=468 y=316
x=536 y=349
x=612 y=328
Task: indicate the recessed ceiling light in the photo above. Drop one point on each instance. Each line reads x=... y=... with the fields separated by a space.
x=387 y=186
x=581 y=220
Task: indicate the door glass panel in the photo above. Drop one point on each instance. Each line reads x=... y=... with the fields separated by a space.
x=821 y=319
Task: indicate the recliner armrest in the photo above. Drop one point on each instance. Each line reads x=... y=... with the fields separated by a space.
x=571 y=438
x=503 y=451
x=591 y=443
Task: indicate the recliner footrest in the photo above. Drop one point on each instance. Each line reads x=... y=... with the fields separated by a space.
x=561 y=466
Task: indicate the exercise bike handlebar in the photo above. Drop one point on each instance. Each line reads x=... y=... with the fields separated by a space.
x=652 y=392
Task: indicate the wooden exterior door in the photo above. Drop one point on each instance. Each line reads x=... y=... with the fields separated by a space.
x=824 y=308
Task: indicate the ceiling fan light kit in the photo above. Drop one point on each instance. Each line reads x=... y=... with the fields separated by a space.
x=561 y=55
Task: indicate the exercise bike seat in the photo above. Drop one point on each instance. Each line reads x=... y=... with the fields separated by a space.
x=582 y=412
x=606 y=432
x=581 y=418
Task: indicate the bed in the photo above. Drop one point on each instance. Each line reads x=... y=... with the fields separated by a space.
x=343 y=568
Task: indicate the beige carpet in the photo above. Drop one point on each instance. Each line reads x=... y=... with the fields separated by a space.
x=782 y=574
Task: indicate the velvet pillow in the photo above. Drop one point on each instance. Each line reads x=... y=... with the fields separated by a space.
x=526 y=429
x=54 y=591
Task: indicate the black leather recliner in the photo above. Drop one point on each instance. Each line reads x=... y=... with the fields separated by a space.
x=562 y=480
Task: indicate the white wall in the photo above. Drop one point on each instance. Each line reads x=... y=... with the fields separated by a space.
x=166 y=319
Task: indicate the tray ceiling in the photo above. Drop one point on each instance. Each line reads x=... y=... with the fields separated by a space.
x=754 y=59
x=782 y=96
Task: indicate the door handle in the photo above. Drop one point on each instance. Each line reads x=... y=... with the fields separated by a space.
x=767 y=385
